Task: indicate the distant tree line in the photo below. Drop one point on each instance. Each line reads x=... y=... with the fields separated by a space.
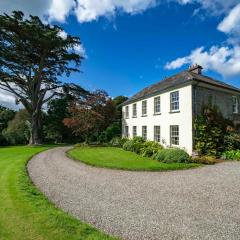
x=67 y=119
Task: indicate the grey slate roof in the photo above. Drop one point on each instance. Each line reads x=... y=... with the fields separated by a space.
x=184 y=77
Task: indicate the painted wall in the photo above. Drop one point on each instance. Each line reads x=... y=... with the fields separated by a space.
x=183 y=118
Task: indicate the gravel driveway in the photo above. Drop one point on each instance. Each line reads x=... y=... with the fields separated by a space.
x=192 y=204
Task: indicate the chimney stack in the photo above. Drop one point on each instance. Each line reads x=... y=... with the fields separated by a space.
x=195 y=68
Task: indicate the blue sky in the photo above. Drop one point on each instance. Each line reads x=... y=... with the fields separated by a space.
x=132 y=44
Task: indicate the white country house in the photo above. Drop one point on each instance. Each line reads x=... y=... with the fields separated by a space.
x=165 y=111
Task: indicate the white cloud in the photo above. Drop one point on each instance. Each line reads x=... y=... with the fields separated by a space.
x=60 y=9
x=8 y=100
x=80 y=50
x=88 y=10
x=62 y=34
x=231 y=23
x=224 y=60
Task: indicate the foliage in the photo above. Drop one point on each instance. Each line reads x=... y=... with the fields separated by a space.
x=5 y=116
x=204 y=160
x=134 y=145
x=91 y=115
x=172 y=155
x=117 y=158
x=231 y=155
x=18 y=130
x=231 y=140
x=149 y=148
x=32 y=57
x=210 y=129
x=118 y=141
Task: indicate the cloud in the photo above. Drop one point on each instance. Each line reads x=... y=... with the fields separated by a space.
x=231 y=23
x=80 y=50
x=62 y=34
x=60 y=9
x=88 y=10
x=224 y=60
x=8 y=100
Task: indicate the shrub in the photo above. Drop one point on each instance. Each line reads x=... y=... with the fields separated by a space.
x=118 y=142
x=149 y=148
x=204 y=160
x=160 y=155
x=231 y=155
x=232 y=141
x=134 y=145
x=172 y=155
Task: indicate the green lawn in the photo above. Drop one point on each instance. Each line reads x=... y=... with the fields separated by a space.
x=25 y=214
x=117 y=158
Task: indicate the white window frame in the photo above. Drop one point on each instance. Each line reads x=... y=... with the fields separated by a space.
x=144 y=108
x=174 y=135
x=174 y=101
x=235 y=104
x=144 y=132
x=157 y=133
x=134 y=110
x=134 y=131
x=157 y=105
x=127 y=112
x=126 y=131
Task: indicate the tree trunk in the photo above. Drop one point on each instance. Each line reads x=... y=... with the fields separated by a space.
x=36 y=129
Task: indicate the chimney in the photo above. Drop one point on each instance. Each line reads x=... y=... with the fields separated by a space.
x=195 y=68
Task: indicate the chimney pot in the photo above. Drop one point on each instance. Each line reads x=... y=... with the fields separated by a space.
x=195 y=68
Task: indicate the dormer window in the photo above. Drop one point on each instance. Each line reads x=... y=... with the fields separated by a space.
x=235 y=104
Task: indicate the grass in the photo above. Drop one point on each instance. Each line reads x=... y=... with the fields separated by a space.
x=25 y=213
x=117 y=158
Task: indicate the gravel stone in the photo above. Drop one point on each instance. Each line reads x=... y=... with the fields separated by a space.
x=201 y=203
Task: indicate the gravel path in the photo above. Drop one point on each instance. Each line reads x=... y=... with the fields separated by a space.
x=191 y=204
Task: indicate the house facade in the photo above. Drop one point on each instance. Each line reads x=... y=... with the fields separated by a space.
x=165 y=111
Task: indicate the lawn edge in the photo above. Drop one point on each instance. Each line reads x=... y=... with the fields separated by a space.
x=67 y=153
x=24 y=175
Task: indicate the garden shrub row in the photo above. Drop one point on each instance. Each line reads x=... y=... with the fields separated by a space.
x=156 y=151
x=231 y=155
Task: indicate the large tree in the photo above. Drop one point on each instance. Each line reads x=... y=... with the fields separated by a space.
x=33 y=56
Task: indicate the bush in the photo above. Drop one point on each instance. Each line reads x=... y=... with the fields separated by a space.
x=149 y=148
x=204 y=160
x=172 y=155
x=232 y=141
x=134 y=145
x=231 y=155
x=118 y=142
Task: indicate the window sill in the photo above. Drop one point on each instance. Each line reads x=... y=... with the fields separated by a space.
x=174 y=112
x=126 y=118
x=144 y=115
x=134 y=116
x=155 y=114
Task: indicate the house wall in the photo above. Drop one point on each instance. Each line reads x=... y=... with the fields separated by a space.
x=223 y=98
x=183 y=118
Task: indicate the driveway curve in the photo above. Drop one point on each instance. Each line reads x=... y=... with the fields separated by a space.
x=192 y=204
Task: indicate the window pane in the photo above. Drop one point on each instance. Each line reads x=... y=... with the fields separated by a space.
x=144 y=132
x=235 y=104
x=157 y=134
x=127 y=112
x=126 y=131
x=174 y=135
x=134 y=131
x=134 y=113
x=144 y=107
x=157 y=105
x=174 y=101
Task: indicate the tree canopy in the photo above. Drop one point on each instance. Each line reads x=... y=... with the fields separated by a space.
x=33 y=56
